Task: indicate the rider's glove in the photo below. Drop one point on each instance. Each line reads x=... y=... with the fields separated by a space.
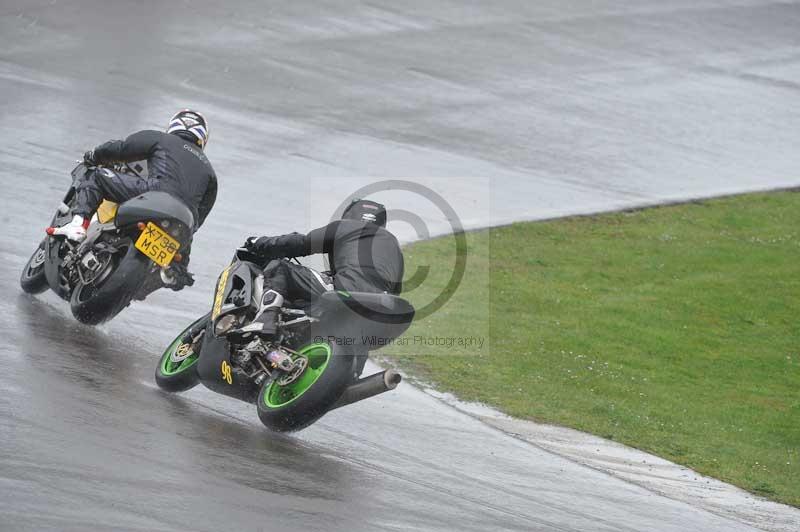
x=247 y=250
x=88 y=158
x=250 y=243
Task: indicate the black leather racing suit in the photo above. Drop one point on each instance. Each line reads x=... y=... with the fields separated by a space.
x=174 y=165
x=364 y=257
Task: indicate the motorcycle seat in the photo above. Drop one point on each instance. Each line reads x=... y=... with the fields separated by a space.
x=364 y=314
x=382 y=307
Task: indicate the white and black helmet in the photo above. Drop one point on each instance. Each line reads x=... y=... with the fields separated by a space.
x=191 y=122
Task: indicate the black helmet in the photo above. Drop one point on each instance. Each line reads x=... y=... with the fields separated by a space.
x=189 y=125
x=366 y=211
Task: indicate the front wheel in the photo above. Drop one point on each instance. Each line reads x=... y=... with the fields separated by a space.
x=288 y=406
x=33 y=280
x=177 y=369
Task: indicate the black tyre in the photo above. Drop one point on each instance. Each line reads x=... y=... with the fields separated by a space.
x=113 y=288
x=298 y=404
x=177 y=368
x=33 y=280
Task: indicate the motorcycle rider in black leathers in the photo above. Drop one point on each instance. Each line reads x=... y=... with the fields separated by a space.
x=176 y=164
x=363 y=255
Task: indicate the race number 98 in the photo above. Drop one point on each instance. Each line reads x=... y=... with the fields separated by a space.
x=227 y=376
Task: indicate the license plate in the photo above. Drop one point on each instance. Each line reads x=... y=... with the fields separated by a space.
x=157 y=245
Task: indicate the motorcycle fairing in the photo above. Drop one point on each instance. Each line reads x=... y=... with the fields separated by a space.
x=238 y=286
x=215 y=356
x=107 y=211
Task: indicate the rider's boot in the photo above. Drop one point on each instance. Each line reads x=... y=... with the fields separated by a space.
x=265 y=323
x=176 y=277
x=74 y=230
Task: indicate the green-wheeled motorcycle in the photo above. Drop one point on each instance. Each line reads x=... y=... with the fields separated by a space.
x=297 y=375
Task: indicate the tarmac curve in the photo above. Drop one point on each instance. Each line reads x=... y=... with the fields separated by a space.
x=510 y=110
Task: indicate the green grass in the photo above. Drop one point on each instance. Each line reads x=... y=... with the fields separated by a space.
x=675 y=330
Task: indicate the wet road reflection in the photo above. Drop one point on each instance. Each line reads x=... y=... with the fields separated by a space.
x=513 y=110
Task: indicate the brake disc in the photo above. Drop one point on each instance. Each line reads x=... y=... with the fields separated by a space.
x=38 y=258
x=183 y=352
x=299 y=366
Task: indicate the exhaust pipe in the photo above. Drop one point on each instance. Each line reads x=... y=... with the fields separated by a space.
x=368 y=387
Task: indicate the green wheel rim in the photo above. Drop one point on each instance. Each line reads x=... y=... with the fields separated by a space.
x=318 y=354
x=168 y=367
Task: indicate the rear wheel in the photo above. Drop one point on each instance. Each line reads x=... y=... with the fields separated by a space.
x=177 y=369
x=33 y=280
x=286 y=406
x=111 y=287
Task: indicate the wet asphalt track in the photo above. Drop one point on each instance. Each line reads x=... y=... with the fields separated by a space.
x=547 y=108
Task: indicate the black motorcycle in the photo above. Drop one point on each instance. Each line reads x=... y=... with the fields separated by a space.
x=126 y=248
x=307 y=369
